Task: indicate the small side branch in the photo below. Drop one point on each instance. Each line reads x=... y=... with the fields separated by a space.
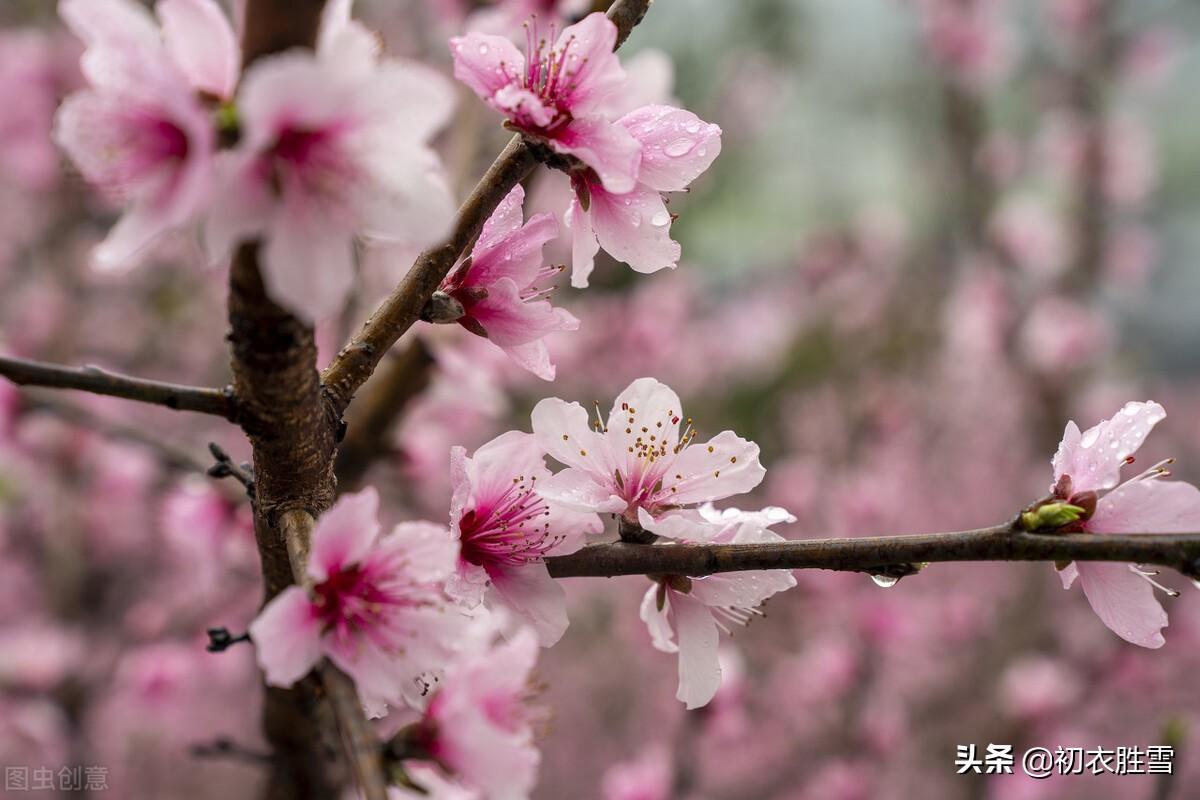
x=218 y=402
x=879 y=554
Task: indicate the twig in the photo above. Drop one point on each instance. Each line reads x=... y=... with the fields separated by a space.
x=880 y=554
x=222 y=747
x=23 y=372
x=220 y=639
x=226 y=467
x=358 y=359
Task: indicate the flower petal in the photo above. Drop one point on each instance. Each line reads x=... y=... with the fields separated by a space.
x=578 y=490
x=677 y=146
x=699 y=669
x=1148 y=506
x=635 y=228
x=1124 y=601
x=287 y=637
x=201 y=42
x=530 y=593
x=486 y=63
x=595 y=71
x=724 y=466
x=428 y=551
x=644 y=404
x=608 y=149
x=661 y=635
x=308 y=261
x=1094 y=458
x=344 y=534
x=584 y=244
x=563 y=432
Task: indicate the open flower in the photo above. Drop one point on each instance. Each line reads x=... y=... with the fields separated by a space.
x=142 y=132
x=333 y=145
x=684 y=614
x=635 y=226
x=497 y=286
x=506 y=529
x=479 y=725
x=639 y=459
x=557 y=94
x=376 y=608
x=1087 y=469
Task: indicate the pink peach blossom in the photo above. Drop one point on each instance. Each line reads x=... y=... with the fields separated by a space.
x=684 y=614
x=479 y=723
x=639 y=460
x=1089 y=463
x=505 y=530
x=376 y=608
x=497 y=286
x=634 y=226
x=333 y=145
x=556 y=93
x=142 y=132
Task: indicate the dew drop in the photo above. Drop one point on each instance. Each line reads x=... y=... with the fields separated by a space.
x=692 y=127
x=660 y=219
x=679 y=147
x=1196 y=582
x=483 y=49
x=635 y=220
x=885 y=581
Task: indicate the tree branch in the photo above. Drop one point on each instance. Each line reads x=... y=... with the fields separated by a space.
x=368 y=428
x=358 y=359
x=882 y=553
x=23 y=372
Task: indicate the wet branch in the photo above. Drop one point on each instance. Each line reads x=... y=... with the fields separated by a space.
x=23 y=372
x=883 y=554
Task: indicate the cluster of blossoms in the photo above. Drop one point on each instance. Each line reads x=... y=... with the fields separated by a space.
x=311 y=152
x=404 y=612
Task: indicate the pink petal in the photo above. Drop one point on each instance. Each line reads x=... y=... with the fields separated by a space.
x=486 y=63
x=511 y=320
x=493 y=466
x=468 y=584
x=741 y=589
x=1124 y=601
x=677 y=146
x=682 y=526
x=572 y=528
x=523 y=105
x=578 y=490
x=1068 y=575
x=563 y=432
x=635 y=228
x=308 y=261
x=124 y=48
x=598 y=73
x=287 y=637
x=608 y=149
x=416 y=101
x=201 y=41
x=648 y=404
x=533 y=357
x=428 y=551
x=724 y=466
x=344 y=534
x=377 y=676
x=661 y=634
x=1094 y=458
x=699 y=669
x=407 y=198
x=535 y=597
x=504 y=221
x=1148 y=506
x=584 y=245
x=650 y=76
x=515 y=254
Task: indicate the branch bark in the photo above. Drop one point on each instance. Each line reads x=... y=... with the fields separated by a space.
x=879 y=553
x=23 y=372
x=293 y=438
x=358 y=359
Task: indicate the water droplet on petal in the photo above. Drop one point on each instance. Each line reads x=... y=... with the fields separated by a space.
x=1196 y=582
x=483 y=49
x=885 y=581
x=635 y=219
x=679 y=147
x=660 y=219
x=692 y=127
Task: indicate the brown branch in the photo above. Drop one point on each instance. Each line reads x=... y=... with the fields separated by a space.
x=293 y=439
x=369 y=426
x=882 y=553
x=23 y=372
x=358 y=359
